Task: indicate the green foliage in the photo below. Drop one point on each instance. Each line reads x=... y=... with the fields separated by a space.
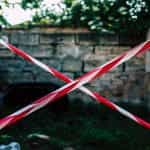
x=30 y=4
x=3 y=21
x=107 y=15
x=97 y=15
x=100 y=15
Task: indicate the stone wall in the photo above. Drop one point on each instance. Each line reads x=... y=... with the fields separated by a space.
x=75 y=52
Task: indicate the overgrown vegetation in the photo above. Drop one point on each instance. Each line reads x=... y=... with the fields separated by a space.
x=107 y=15
x=90 y=127
x=97 y=15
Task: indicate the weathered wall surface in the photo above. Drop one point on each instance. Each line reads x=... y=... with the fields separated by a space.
x=75 y=52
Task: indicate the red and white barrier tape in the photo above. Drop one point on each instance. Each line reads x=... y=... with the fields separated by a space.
x=75 y=84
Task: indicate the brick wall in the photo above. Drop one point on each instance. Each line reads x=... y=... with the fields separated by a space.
x=75 y=52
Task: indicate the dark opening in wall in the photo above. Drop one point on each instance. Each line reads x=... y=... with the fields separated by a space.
x=19 y=95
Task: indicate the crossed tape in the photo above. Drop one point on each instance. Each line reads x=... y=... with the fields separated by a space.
x=72 y=85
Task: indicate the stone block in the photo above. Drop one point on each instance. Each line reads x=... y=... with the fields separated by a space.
x=85 y=50
x=134 y=88
x=109 y=50
x=120 y=49
x=52 y=62
x=11 y=64
x=102 y=55
x=135 y=68
x=6 y=53
x=131 y=39
x=93 y=57
x=18 y=77
x=86 y=38
x=89 y=66
x=136 y=64
x=95 y=85
x=103 y=50
x=91 y=61
x=32 y=50
x=108 y=39
x=37 y=70
x=65 y=38
x=57 y=38
x=71 y=65
x=15 y=39
x=28 y=39
x=45 y=77
x=44 y=51
x=102 y=83
x=48 y=38
x=132 y=93
x=29 y=67
x=68 y=74
x=71 y=50
x=108 y=76
x=64 y=50
x=116 y=87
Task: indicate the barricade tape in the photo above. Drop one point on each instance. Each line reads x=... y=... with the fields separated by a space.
x=75 y=84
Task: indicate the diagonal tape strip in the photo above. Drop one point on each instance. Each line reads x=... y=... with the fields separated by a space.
x=89 y=76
